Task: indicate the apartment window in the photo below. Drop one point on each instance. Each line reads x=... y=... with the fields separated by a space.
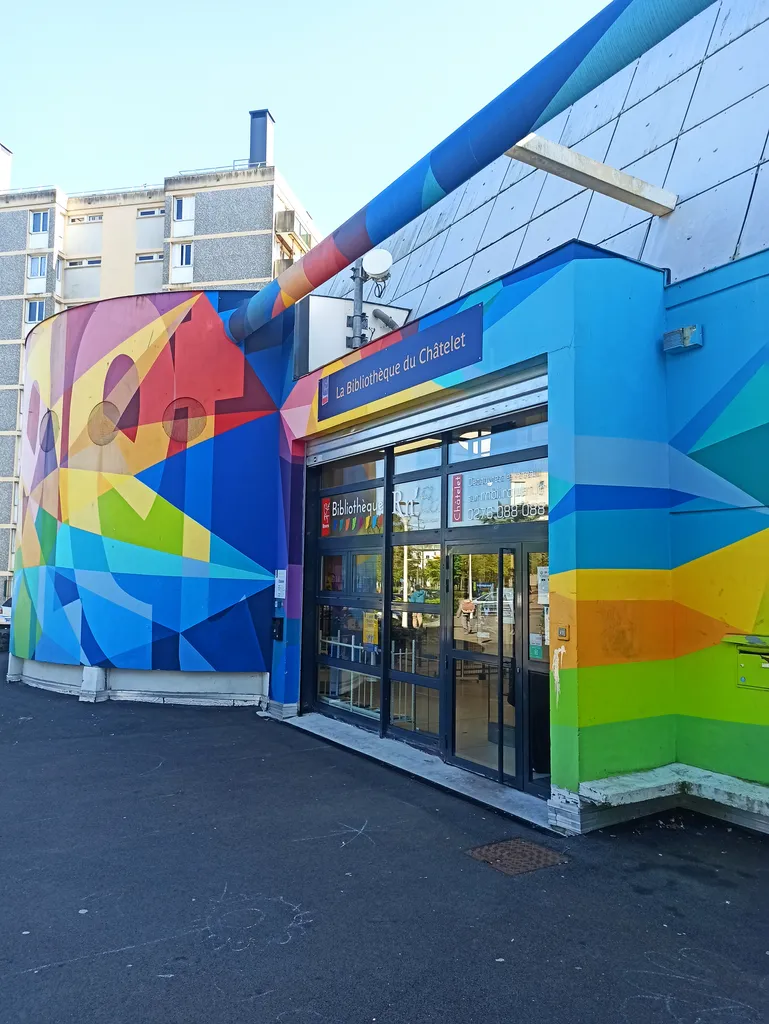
x=183 y=208
x=35 y=311
x=75 y=263
x=95 y=218
x=183 y=255
x=149 y=257
x=77 y=220
x=39 y=222
x=58 y=269
x=94 y=262
x=37 y=266
x=303 y=233
x=159 y=212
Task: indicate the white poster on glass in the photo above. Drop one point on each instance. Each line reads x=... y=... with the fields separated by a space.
x=543 y=584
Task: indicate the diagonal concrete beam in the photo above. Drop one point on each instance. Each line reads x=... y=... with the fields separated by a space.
x=582 y=170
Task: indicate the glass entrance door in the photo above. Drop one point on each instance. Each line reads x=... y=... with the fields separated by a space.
x=536 y=668
x=482 y=659
x=497 y=657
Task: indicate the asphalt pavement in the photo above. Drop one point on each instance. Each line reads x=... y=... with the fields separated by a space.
x=182 y=865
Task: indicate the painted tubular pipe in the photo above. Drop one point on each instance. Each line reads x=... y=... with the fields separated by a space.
x=616 y=36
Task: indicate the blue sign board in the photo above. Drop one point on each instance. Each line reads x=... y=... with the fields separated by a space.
x=449 y=345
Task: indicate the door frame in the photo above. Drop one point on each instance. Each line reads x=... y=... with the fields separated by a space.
x=486 y=537
x=539 y=787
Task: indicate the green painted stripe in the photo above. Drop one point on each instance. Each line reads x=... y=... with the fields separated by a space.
x=706 y=687
x=616 y=748
x=622 y=693
x=731 y=748
x=703 y=684
x=564 y=756
x=608 y=694
x=24 y=622
x=563 y=705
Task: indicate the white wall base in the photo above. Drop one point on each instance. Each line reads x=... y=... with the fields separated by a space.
x=181 y=683
x=94 y=685
x=58 y=678
x=89 y=683
x=282 y=711
x=605 y=802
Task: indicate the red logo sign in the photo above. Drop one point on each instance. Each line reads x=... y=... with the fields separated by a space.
x=456 y=498
x=325 y=517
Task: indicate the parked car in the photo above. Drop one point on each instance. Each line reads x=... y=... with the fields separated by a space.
x=5 y=625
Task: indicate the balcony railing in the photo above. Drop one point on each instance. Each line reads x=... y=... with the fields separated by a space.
x=21 y=191
x=236 y=165
x=115 y=191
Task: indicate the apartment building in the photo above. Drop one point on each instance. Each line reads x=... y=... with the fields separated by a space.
x=236 y=226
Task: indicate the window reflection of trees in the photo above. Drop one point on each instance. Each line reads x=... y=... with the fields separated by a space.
x=416 y=573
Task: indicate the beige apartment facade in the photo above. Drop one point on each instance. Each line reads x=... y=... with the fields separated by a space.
x=227 y=227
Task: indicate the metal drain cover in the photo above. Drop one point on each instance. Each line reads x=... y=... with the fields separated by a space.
x=516 y=856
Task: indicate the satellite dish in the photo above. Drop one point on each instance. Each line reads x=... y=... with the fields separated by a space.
x=377 y=263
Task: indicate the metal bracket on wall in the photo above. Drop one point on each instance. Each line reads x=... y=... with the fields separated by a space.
x=682 y=338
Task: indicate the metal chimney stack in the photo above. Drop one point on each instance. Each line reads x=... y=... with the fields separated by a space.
x=262 y=124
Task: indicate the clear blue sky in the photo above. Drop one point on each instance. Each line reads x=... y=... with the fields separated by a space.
x=100 y=95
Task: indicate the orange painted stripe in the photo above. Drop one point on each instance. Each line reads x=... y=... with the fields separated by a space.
x=622 y=632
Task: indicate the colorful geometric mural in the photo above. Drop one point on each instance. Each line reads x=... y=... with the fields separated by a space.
x=148 y=527
x=608 y=42
x=660 y=540
x=163 y=469
x=719 y=428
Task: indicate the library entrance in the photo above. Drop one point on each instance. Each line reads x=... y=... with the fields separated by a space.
x=426 y=596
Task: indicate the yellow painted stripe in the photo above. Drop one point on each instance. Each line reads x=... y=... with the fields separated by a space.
x=613 y=584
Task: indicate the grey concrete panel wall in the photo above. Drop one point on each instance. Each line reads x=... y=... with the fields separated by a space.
x=233 y=259
x=673 y=56
x=51 y=226
x=5 y=549
x=11 y=314
x=755 y=233
x=166 y=261
x=12 y=275
x=167 y=222
x=735 y=17
x=8 y=405
x=10 y=364
x=6 y=504
x=233 y=209
x=13 y=230
x=7 y=457
x=704 y=232
x=50 y=273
